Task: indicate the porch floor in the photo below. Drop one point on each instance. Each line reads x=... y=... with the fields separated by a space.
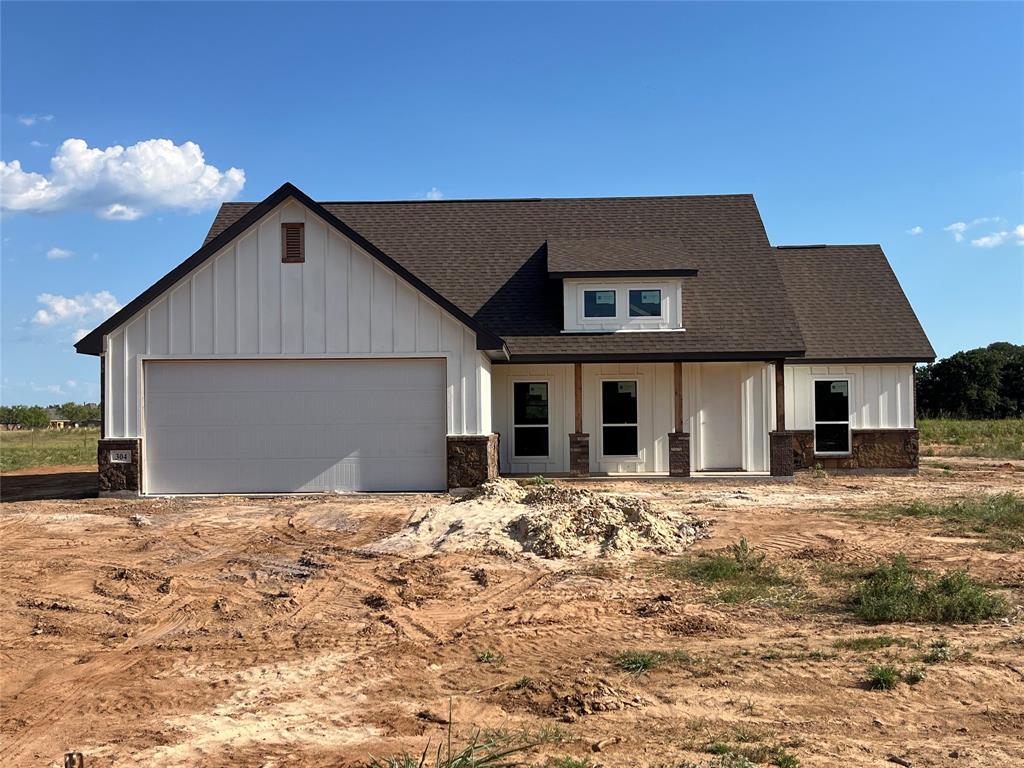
x=657 y=476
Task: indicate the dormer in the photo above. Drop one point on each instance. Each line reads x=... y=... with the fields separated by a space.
x=612 y=284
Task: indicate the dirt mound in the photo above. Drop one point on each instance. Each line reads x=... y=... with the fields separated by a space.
x=571 y=521
x=497 y=491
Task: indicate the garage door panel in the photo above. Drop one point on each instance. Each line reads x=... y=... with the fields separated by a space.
x=296 y=425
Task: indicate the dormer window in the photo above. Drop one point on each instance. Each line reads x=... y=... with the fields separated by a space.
x=599 y=304
x=645 y=302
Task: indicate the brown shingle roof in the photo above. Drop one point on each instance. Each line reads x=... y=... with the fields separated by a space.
x=850 y=305
x=489 y=258
x=617 y=255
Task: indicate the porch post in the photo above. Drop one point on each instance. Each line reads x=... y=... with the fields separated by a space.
x=780 y=441
x=678 y=439
x=579 y=441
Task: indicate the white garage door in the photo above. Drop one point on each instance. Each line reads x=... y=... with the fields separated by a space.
x=294 y=425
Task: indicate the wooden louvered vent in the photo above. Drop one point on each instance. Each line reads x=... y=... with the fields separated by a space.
x=293 y=243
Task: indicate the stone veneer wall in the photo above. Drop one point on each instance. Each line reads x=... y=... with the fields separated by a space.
x=780 y=453
x=119 y=479
x=679 y=454
x=872 y=449
x=579 y=454
x=472 y=460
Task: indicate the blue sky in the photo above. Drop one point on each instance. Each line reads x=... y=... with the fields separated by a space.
x=849 y=123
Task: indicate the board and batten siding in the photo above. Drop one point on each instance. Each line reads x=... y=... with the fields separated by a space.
x=244 y=303
x=881 y=396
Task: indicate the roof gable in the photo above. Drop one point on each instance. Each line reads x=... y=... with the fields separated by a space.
x=92 y=343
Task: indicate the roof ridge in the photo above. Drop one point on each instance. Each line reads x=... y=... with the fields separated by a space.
x=612 y=198
x=826 y=245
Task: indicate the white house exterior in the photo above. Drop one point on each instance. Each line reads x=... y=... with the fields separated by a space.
x=254 y=367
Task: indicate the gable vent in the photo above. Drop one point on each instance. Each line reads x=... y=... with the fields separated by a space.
x=293 y=243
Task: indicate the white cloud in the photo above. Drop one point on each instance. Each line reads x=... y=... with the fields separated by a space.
x=959 y=227
x=434 y=194
x=59 y=309
x=118 y=212
x=119 y=183
x=37 y=143
x=996 y=239
x=59 y=253
x=79 y=334
x=915 y=230
x=31 y=120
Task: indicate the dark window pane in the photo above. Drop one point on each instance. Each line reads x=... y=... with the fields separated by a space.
x=619 y=441
x=599 y=303
x=618 y=402
x=531 y=402
x=645 y=303
x=531 y=441
x=832 y=401
x=831 y=438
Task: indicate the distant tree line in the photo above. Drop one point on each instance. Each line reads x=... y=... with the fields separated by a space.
x=38 y=417
x=983 y=383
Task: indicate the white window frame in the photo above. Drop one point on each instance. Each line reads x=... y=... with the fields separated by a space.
x=512 y=417
x=598 y=289
x=849 y=414
x=661 y=303
x=602 y=424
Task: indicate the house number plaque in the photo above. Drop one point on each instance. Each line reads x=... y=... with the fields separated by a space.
x=120 y=457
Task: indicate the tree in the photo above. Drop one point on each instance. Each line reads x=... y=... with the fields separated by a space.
x=982 y=383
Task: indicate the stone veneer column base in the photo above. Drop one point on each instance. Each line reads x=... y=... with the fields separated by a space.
x=780 y=448
x=119 y=479
x=472 y=460
x=579 y=454
x=871 y=449
x=679 y=454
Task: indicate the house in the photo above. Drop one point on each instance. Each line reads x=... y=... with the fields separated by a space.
x=57 y=420
x=386 y=346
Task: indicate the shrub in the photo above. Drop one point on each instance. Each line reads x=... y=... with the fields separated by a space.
x=896 y=592
x=882 y=677
x=914 y=675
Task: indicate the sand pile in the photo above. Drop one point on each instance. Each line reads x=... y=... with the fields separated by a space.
x=550 y=521
x=569 y=521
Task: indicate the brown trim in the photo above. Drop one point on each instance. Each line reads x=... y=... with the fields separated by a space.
x=92 y=344
x=624 y=273
x=677 y=389
x=780 y=395
x=293 y=242
x=650 y=357
x=578 y=382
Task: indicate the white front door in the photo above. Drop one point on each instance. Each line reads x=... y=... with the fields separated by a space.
x=720 y=418
x=294 y=426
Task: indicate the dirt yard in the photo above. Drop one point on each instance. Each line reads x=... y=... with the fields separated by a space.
x=301 y=631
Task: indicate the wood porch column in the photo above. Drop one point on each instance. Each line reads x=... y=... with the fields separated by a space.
x=780 y=396
x=579 y=441
x=780 y=442
x=678 y=438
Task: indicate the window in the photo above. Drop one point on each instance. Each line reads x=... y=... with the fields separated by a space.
x=832 y=416
x=530 y=418
x=293 y=243
x=645 y=303
x=618 y=418
x=599 y=303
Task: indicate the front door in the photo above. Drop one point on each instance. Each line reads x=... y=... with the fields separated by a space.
x=720 y=445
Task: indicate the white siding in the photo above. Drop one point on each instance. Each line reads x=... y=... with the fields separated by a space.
x=561 y=415
x=881 y=396
x=243 y=302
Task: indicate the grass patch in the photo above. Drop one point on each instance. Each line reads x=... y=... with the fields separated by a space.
x=896 y=592
x=998 y=517
x=640 y=662
x=882 y=677
x=743 y=754
x=988 y=438
x=480 y=752
x=23 y=449
x=489 y=657
x=870 y=642
x=742 y=572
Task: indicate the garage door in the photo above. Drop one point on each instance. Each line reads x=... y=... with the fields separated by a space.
x=294 y=426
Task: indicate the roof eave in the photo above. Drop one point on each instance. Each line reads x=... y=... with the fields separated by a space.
x=556 y=275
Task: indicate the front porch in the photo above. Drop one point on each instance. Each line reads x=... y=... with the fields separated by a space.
x=641 y=420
